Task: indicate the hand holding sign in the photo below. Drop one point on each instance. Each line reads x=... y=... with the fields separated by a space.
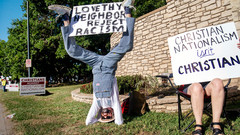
x=97 y=19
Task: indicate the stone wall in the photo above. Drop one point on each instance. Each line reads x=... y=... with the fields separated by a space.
x=167 y=104
x=88 y=98
x=150 y=54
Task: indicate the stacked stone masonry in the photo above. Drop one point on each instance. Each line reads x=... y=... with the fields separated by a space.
x=167 y=104
x=150 y=54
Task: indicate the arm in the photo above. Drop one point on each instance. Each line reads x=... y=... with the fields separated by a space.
x=94 y=110
x=116 y=104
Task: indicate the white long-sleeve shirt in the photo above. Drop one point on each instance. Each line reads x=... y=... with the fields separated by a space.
x=115 y=104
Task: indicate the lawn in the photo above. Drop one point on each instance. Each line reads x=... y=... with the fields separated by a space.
x=56 y=114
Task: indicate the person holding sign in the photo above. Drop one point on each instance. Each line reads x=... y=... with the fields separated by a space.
x=215 y=89
x=199 y=59
x=106 y=105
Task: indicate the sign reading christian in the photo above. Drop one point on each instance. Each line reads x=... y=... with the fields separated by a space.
x=32 y=85
x=204 y=54
x=97 y=19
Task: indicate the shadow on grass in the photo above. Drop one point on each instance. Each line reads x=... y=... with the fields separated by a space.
x=128 y=118
x=232 y=107
x=47 y=93
x=232 y=115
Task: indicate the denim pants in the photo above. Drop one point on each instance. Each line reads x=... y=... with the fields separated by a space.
x=104 y=66
x=4 y=89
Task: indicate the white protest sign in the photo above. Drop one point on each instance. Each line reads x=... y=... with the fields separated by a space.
x=97 y=19
x=204 y=54
x=32 y=85
x=13 y=87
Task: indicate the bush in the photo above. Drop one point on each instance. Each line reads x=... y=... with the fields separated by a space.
x=149 y=83
x=125 y=84
x=86 y=88
x=128 y=83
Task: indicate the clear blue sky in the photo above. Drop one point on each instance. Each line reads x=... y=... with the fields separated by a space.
x=9 y=10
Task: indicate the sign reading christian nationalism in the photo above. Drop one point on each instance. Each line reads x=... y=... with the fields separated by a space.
x=32 y=85
x=204 y=54
x=97 y=19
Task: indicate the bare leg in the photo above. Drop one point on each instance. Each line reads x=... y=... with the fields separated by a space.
x=197 y=99
x=216 y=89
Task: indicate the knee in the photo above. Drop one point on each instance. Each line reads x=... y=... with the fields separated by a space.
x=129 y=47
x=196 y=89
x=217 y=85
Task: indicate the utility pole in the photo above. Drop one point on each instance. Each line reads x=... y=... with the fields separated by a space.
x=28 y=39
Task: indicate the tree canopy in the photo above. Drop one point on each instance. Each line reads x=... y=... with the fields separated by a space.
x=47 y=52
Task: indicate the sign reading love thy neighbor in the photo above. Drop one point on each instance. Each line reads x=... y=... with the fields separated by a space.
x=204 y=54
x=97 y=19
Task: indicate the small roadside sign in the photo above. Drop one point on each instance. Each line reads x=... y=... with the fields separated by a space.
x=28 y=63
x=32 y=85
x=12 y=87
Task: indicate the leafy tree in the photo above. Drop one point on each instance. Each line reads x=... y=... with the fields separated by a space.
x=14 y=51
x=48 y=55
x=2 y=58
x=145 y=6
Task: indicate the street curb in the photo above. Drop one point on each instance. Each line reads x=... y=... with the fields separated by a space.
x=6 y=125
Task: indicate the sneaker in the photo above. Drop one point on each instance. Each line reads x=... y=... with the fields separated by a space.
x=60 y=10
x=128 y=3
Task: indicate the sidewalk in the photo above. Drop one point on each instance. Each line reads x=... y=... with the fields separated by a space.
x=5 y=124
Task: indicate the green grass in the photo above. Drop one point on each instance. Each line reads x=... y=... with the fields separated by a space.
x=57 y=114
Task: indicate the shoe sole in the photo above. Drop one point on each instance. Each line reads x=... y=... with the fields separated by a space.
x=131 y=5
x=58 y=7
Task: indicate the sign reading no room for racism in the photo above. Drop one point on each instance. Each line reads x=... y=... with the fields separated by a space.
x=97 y=19
x=32 y=85
x=204 y=54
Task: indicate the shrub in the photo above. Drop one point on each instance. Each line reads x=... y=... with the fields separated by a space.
x=149 y=83
x=128 y=83
x=125 y=84
x=86 y=88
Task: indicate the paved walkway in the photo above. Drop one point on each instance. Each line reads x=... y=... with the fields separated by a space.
x=5 y=124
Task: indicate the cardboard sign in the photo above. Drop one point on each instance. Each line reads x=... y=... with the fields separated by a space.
x=97 y=19
x=32 y=85
x=204 y=54
x=13 y=87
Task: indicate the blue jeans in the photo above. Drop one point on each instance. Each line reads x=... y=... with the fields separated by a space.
x=104 y=66
x=4 y=89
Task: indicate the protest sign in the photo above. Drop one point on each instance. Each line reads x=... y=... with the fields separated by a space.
x=97 y=19
x=32 y=85
x=12 y=87
x=204 y=54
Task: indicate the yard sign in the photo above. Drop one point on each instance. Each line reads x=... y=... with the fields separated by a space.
x=32 y=85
